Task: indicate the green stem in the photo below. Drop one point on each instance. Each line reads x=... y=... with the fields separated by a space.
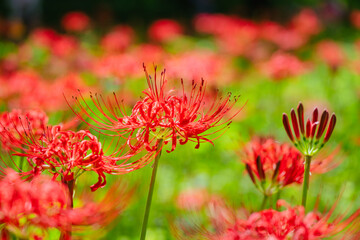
x=71 y=186
x=264 y=202
x=306 y=179
x=151 y=190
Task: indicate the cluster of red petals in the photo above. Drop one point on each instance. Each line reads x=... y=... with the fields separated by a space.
x=198 y=65
x=164 y=30
x=269 y=160
x=161 y=114
x=67 y=153
x=58 y=44
x=118 y=39
x=292 y=223
x=236 y=35
x=17 y=121
x=331 y=53
x=75 y=21
x=44 y=203
x=355 y=18
x=283 y=65
x=40 y=202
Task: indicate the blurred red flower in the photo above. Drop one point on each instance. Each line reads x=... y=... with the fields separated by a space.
x=118 y=39
x=283 y=65
x=75 y=22
x=331 y=53
x=165 y=30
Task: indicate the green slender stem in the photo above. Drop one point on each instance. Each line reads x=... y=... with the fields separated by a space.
x=71 y=186
x=151 y=190
x=306 y=179
x=278 y=195
x=264 y=202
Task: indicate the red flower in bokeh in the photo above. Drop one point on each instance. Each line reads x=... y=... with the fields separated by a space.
x=292 y=223
x=331 y=53
x=75 y=21
x=44 y=203
x=306 y=22
x=118 y=39
x=161 y=114
x=283 y=65
x=355 y=18
x=165 y=30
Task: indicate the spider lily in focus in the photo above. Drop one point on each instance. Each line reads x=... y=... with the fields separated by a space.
x=163 y=116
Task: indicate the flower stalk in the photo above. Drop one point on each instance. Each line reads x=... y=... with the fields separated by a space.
x=306 y=180
x=151 y=190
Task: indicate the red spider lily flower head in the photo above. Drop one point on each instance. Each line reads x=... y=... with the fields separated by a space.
x=75 y=22
x=200 y=64
x=271 y=165
x=285 y=38
x=44 y=37
x=355 y=18
x=44 y=203
x=65 y=46
x=292 y=223
x=165 y=30
x=309 y=136
x=331 y=53
x=283 y=65
x=161 y=115
x=67 y=154
x=306 y=22
x=17 y=121
x=118 y=39
x=31 y=203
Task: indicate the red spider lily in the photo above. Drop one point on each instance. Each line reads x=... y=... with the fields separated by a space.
x=355 y=18
x=165 y=30
x=308 y=137
x=118 y=39
x=75 y=22
x=44 y=203
x=69 y=154
x=331 y=53
x=306 y=22
x=198 y=65
x=17 y=121
x=291 y=223
x=161 y=114
x=283 y=65
x=271 y=165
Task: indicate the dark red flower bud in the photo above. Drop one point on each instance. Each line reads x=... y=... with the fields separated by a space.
x=300 y=111
x=276 y=171
x=295 y=124
x=250 y=172
x=331 y=128
x=287 y=127
x=260 y=168
x=315 y=115
x=308 y=128
x=313 y=129
x=322 y=125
